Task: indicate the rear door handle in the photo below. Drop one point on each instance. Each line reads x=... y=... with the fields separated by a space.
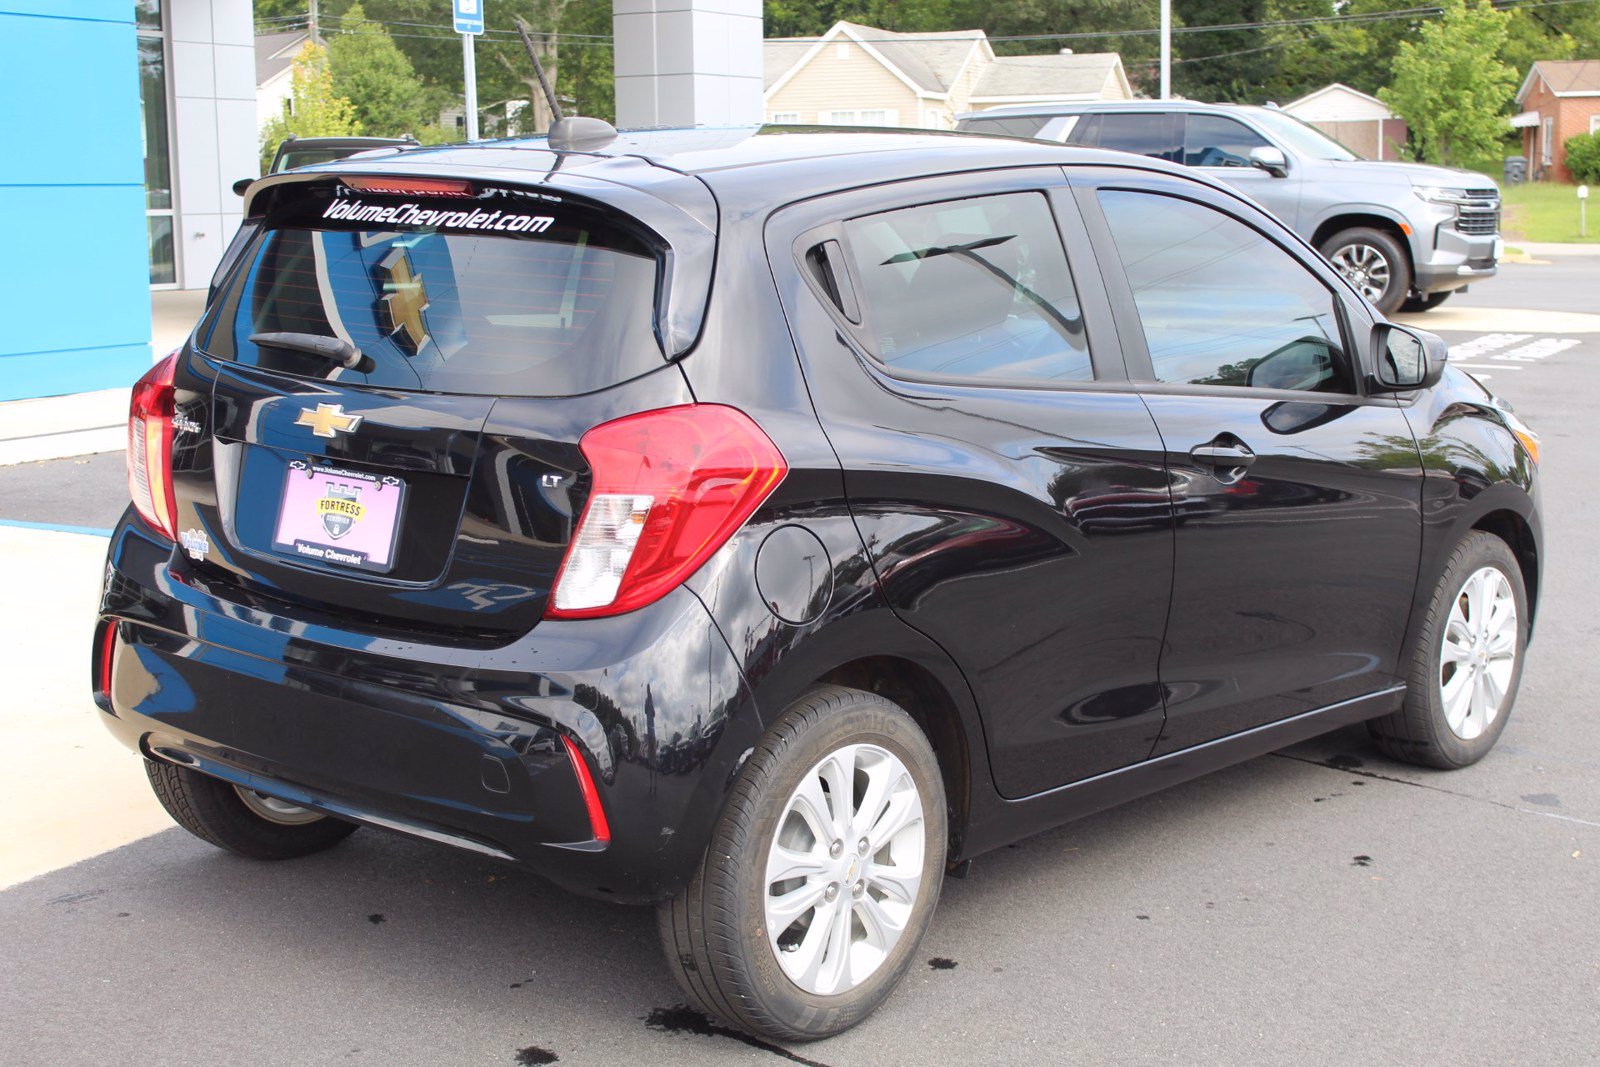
x=1226 y=455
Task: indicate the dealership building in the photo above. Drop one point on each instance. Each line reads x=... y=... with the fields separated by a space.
x=128 y=121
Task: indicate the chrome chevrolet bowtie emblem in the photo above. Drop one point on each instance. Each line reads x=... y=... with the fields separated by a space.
x=329 y=420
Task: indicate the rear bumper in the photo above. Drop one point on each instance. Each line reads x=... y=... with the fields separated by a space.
x=461 y=745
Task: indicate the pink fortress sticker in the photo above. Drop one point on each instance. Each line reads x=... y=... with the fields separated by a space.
x=337 y=516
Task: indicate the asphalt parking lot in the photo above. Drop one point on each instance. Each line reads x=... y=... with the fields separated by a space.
x=1319 y=904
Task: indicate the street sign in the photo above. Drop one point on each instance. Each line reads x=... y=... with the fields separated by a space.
x=1583 y=192
x=469 y=16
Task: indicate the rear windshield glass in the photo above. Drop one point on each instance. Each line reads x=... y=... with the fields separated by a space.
x=500 y=294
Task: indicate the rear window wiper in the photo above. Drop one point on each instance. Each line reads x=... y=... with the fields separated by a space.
x=333 y=349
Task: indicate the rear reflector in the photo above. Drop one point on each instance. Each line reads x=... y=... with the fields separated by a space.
x=591 y=796
x=108 y=652
x=670 y=487
x=410 y=186
x=150 y=448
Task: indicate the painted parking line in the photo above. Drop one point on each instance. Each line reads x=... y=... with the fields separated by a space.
x=1495 y=352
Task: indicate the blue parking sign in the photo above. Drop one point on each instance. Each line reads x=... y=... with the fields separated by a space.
x=469 y=16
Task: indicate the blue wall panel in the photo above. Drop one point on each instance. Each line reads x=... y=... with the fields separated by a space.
x=74 y=268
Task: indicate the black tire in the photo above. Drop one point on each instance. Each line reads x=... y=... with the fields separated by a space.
x=1420 y=732
x=714 y=934
x=1394 y=291
x=1425 y=302
x=212 y=810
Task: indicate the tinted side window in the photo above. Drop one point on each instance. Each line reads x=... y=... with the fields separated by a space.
x=1141 y=132
x=975 y=288
x=1220 y=304
x=1017 y=126
x=1214 y=141
x=1086 y=132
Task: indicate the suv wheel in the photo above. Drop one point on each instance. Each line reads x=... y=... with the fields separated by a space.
x=1425 y=302
x=1466 y=663
x=242 y=820
x=822 y=875
x=1374 y=263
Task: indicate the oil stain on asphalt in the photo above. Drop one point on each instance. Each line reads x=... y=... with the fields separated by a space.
x=942 y=963
x=683 y=1019
x=533 y=1056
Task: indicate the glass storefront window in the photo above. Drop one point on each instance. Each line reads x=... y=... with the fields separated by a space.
x=153 y=102
x=163 y=263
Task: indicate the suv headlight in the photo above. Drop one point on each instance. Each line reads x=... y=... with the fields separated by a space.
x=1435 y=194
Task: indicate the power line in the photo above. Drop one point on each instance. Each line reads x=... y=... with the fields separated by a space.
x=1424 y=11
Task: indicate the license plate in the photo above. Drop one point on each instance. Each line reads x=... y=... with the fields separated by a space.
x=338 y=516
x=1499 y=247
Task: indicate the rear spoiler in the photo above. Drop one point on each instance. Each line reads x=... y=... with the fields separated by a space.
x=685 y=224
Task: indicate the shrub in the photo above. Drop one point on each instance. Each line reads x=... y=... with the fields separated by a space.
x=1583 y=157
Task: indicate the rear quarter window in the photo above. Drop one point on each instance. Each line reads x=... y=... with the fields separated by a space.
x=499 y=295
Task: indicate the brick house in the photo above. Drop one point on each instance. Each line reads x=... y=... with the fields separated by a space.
x=856 y=75
x=1558 y=99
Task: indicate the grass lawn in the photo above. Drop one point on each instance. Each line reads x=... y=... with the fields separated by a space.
x=1545 y=211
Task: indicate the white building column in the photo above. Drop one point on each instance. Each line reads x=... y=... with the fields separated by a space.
x=687 y=62
x=211 y=69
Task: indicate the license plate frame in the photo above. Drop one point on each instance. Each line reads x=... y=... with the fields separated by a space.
x=349 y=519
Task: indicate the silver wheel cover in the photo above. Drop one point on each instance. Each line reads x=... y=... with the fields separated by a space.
x=1479 y=653
x=274 y=810
x=1366 y=268
x=844 y=869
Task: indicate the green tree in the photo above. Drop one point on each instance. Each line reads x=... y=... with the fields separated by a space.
x=1451 y=87
x=314 y=109
x=586 y=80
x=376 y=77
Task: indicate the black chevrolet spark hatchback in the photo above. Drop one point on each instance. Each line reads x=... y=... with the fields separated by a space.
x=757 y=524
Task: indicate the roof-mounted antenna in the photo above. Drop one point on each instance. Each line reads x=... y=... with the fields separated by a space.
x=573 y=133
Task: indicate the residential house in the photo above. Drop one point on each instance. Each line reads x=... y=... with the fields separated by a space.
x=856 y=75
x=1558 y=99
x=275 y=55
x=1362 y=123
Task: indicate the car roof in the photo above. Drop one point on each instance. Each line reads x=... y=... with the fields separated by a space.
x=747 y=167
x=1013 y=110
x=297 y=143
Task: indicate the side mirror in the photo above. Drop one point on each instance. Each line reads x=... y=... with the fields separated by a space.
x=1272 y=160
x=1404 y=359
x=241 y=185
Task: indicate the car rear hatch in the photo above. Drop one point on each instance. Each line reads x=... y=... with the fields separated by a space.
x=389 y=389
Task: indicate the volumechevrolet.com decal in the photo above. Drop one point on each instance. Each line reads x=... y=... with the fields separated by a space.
x=417 y=215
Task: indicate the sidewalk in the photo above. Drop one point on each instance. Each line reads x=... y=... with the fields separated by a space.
x=1545 y=248
x=82 y=423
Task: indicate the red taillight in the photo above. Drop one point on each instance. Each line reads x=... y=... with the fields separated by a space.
x=150 y=448
x=591 y=796
x=670 y=487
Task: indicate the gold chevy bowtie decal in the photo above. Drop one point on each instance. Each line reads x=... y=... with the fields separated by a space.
x=405 y=299
x=329 y=420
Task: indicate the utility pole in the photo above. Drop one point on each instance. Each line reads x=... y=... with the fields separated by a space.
x=1166 y=49
x=469 y=66
x=469 y=23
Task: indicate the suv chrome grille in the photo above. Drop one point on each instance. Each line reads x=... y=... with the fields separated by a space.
x=1478 y=222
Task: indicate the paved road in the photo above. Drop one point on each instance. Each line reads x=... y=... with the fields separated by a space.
x=1318 y=904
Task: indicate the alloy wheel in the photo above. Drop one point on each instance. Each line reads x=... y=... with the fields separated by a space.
x=844 y=869
x=1479 y=654
x=1365 y=267
x=274 y=810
